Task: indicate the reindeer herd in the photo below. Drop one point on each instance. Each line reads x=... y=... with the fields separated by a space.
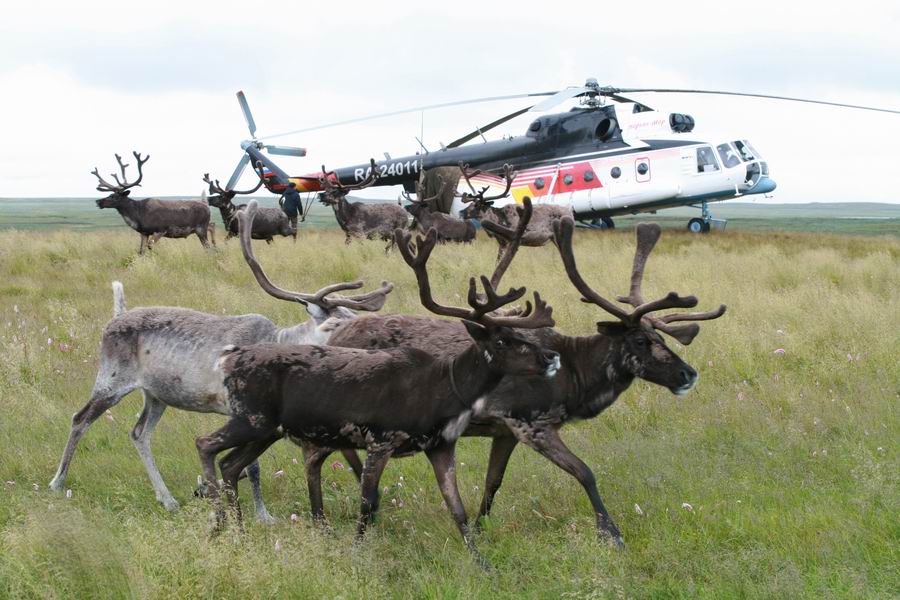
x=154 y=219
x=349 y=379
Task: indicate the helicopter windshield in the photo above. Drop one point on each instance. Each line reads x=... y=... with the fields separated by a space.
x=747 y=151
x=728 y=155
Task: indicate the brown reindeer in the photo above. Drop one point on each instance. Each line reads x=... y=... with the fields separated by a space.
x=153 y=218
x=393 y=402
x=449 y=229
x=268 y=223
x=359 y=220
x=596 y=369
x=540 y=229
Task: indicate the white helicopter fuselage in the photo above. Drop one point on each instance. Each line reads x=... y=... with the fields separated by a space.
x=658 y=169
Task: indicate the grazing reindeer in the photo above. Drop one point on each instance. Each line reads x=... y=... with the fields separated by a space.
x=361 y=220
x=169 y=353
x=154 y=218
x=449 y=229
x=595 y=369
x=269 y=223
x=540 y=230
x=392 y=402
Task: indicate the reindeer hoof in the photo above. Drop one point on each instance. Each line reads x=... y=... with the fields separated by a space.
x=265 y=518
x=170 y=504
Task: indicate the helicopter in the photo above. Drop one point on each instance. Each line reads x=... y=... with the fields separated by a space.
x=610 y=155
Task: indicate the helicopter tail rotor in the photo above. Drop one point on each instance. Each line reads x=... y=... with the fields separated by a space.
x=253 y=146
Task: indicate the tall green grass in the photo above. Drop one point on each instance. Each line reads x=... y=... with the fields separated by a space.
x=777 y=477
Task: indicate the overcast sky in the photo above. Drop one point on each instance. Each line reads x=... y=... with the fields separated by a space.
x=83 y=80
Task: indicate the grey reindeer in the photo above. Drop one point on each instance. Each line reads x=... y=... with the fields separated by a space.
x=169 y=353
x=153 y=218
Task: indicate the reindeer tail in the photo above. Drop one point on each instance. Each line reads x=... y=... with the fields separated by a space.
x=118 y=298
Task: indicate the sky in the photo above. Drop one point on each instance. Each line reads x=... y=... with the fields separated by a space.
x=82 y=81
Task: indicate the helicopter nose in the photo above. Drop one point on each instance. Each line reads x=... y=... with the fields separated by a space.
x=763 y=186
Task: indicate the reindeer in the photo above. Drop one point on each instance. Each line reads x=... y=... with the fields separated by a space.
x=540 y=230
x=360 y=220
x=449 y=229
x=595 y=370
x=269 y=223
x=393 y=402
x=169 y=353
x=153 y=218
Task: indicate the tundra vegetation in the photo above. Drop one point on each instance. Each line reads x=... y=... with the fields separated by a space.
x=776 y=476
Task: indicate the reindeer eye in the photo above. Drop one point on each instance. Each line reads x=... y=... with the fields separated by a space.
x=500 y=344
x=642 y=342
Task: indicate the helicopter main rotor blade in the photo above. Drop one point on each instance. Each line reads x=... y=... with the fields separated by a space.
x=248 y=116
x=408 y=110
x=286 y=150
x=559 y=98
x=612 y=91
x=245 y=160
x=488 y=127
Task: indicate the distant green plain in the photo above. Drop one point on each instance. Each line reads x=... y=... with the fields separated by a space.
x=850 y=218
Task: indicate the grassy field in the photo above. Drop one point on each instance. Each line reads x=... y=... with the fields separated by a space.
x=850 y=218
x=777 y=477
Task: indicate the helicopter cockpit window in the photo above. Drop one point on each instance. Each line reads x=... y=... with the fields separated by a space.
x=706 y=160
x=728 y=155
x=746 y=150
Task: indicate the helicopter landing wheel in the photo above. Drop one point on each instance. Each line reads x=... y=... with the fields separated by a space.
x=603 y=223
x=698 y=225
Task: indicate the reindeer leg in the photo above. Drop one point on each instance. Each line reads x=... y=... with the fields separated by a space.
x=262 y=514
x=443 y=461
x=548 y=443
x=156 y=237
x=211 y=230
x=105 y=396
x=145 y=242
x=313 y=457
x=237 y=461
x=236 y=432
x=353 y=462
x=140 y=435
x=501 y=449
x=376 y=460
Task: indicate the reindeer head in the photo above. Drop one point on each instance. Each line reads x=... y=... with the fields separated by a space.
x=321 y=305
x=642 y=352
x=506 y=350
x=120 y=191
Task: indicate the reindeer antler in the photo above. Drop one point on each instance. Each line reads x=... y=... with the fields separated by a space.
x=540 y=315
x=370 y=301
x=334 y=189
x=122 y=185
x=478 y=197
x=512 y=238
x=216 y=188
x=647 y=236
x=420 y=191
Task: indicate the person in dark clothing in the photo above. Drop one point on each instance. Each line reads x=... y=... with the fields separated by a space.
x=291 y=204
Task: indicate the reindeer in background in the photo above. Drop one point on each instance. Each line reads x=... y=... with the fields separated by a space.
x=540 y=228
x=153 y=218
x=268 y=223
x=359 y=220
x=449 y=229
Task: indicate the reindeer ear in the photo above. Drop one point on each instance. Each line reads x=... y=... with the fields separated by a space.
x=478 y=332
x=611 y=328
x=126 y=192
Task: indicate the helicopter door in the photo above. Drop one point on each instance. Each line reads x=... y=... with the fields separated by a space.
x=642 y=169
